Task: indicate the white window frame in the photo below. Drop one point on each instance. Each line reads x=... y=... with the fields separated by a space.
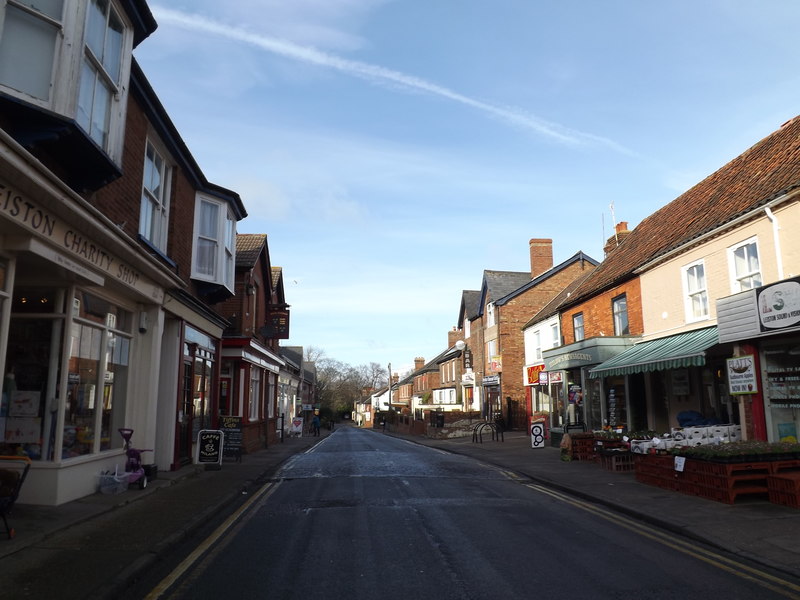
x=69 y=55
x=155 y=230
x=618 y=328
x=555 y=336
x=254 y=398
x=582 y=328
x=537 y=345
x=695 y=295
x=222 y=236
x=753 y=278
x=467 y=323
x=491 y=350
x=490 y=316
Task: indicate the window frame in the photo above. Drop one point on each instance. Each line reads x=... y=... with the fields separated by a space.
x=690 y=294
x=576 y=327
x=225 y=241
x=254 y=395
x=491 y=318
x=68 y=59
x=736 y=278
x=619 y=329
x=160 y=238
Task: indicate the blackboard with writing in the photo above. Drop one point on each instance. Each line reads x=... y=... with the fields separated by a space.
x=232 y=427
x=209 y=446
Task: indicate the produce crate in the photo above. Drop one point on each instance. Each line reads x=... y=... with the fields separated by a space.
x=617 y=461
x=784 y=489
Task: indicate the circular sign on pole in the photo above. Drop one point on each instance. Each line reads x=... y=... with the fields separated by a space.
x=537 y=434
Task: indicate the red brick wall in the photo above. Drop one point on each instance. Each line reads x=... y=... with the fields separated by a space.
x=511 y=318
x=120 y=201
x=598 y=318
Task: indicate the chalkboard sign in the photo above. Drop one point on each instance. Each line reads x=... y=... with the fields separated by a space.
x=209 y=446
x=232 y=428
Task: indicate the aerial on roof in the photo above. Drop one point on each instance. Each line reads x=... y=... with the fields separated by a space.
x=763 y=173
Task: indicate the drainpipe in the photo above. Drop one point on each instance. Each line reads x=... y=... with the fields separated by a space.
x=775 y=234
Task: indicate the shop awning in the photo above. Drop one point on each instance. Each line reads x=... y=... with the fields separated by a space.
x=676 y=351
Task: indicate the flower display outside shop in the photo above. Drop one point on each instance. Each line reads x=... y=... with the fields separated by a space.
x=743 y=450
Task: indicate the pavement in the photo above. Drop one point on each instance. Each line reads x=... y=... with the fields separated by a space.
x=124 y=535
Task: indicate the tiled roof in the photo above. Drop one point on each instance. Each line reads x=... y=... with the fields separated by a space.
x=762 y=173
x=276 y=276
x=249 y=247
x=499 y=284
x=470 y=306
x=577 y=257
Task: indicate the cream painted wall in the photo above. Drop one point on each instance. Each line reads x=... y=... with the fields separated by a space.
x=663 y=294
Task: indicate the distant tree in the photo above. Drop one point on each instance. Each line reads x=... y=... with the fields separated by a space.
x=339 y=385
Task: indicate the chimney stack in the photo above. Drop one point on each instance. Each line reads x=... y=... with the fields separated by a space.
x=621 y=231
x=419 y=362
x=541 y=256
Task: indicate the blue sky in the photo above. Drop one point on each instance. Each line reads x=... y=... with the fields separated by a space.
x=394 y=149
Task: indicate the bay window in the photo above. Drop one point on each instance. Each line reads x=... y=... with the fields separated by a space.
x=214 y=249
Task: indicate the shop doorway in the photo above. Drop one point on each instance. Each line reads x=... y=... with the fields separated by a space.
x=185 y=422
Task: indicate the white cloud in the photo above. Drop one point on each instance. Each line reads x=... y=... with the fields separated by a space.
x=381 y=75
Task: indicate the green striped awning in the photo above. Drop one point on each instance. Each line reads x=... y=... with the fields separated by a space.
x=686 y=349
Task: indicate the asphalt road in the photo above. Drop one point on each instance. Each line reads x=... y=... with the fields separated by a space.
x=363 y=515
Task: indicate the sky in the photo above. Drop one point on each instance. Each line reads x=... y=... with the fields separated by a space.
x=393 y=150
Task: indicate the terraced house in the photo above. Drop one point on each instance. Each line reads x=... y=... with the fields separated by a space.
x=115 y=253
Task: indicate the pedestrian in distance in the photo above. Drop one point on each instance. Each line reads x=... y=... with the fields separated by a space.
x=315 y=425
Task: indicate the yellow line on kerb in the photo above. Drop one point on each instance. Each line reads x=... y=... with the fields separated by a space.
x=170 y=580
x=742 y=570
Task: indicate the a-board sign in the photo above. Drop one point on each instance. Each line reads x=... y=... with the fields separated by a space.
x=209 y=446
x=232 y=428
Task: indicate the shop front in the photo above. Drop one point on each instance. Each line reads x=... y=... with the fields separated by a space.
x=565 y=390
x=763 y=324
x=657 y=385
x=75 y=341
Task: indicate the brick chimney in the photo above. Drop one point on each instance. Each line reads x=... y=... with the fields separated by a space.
x=541 y=256
x=419 y=362
x=621 y=231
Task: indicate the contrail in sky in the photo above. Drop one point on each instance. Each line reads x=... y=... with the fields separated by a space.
x=377 y=74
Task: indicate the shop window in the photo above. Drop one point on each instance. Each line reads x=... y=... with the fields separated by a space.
x=696 y=294
x=97 y=380
x=577 y=327
x=745 y=266
x=154 y=215
x=214 y=242
x=619 y=309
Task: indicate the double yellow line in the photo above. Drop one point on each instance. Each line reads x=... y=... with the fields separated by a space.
x=207 y=544
x=741 y=570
